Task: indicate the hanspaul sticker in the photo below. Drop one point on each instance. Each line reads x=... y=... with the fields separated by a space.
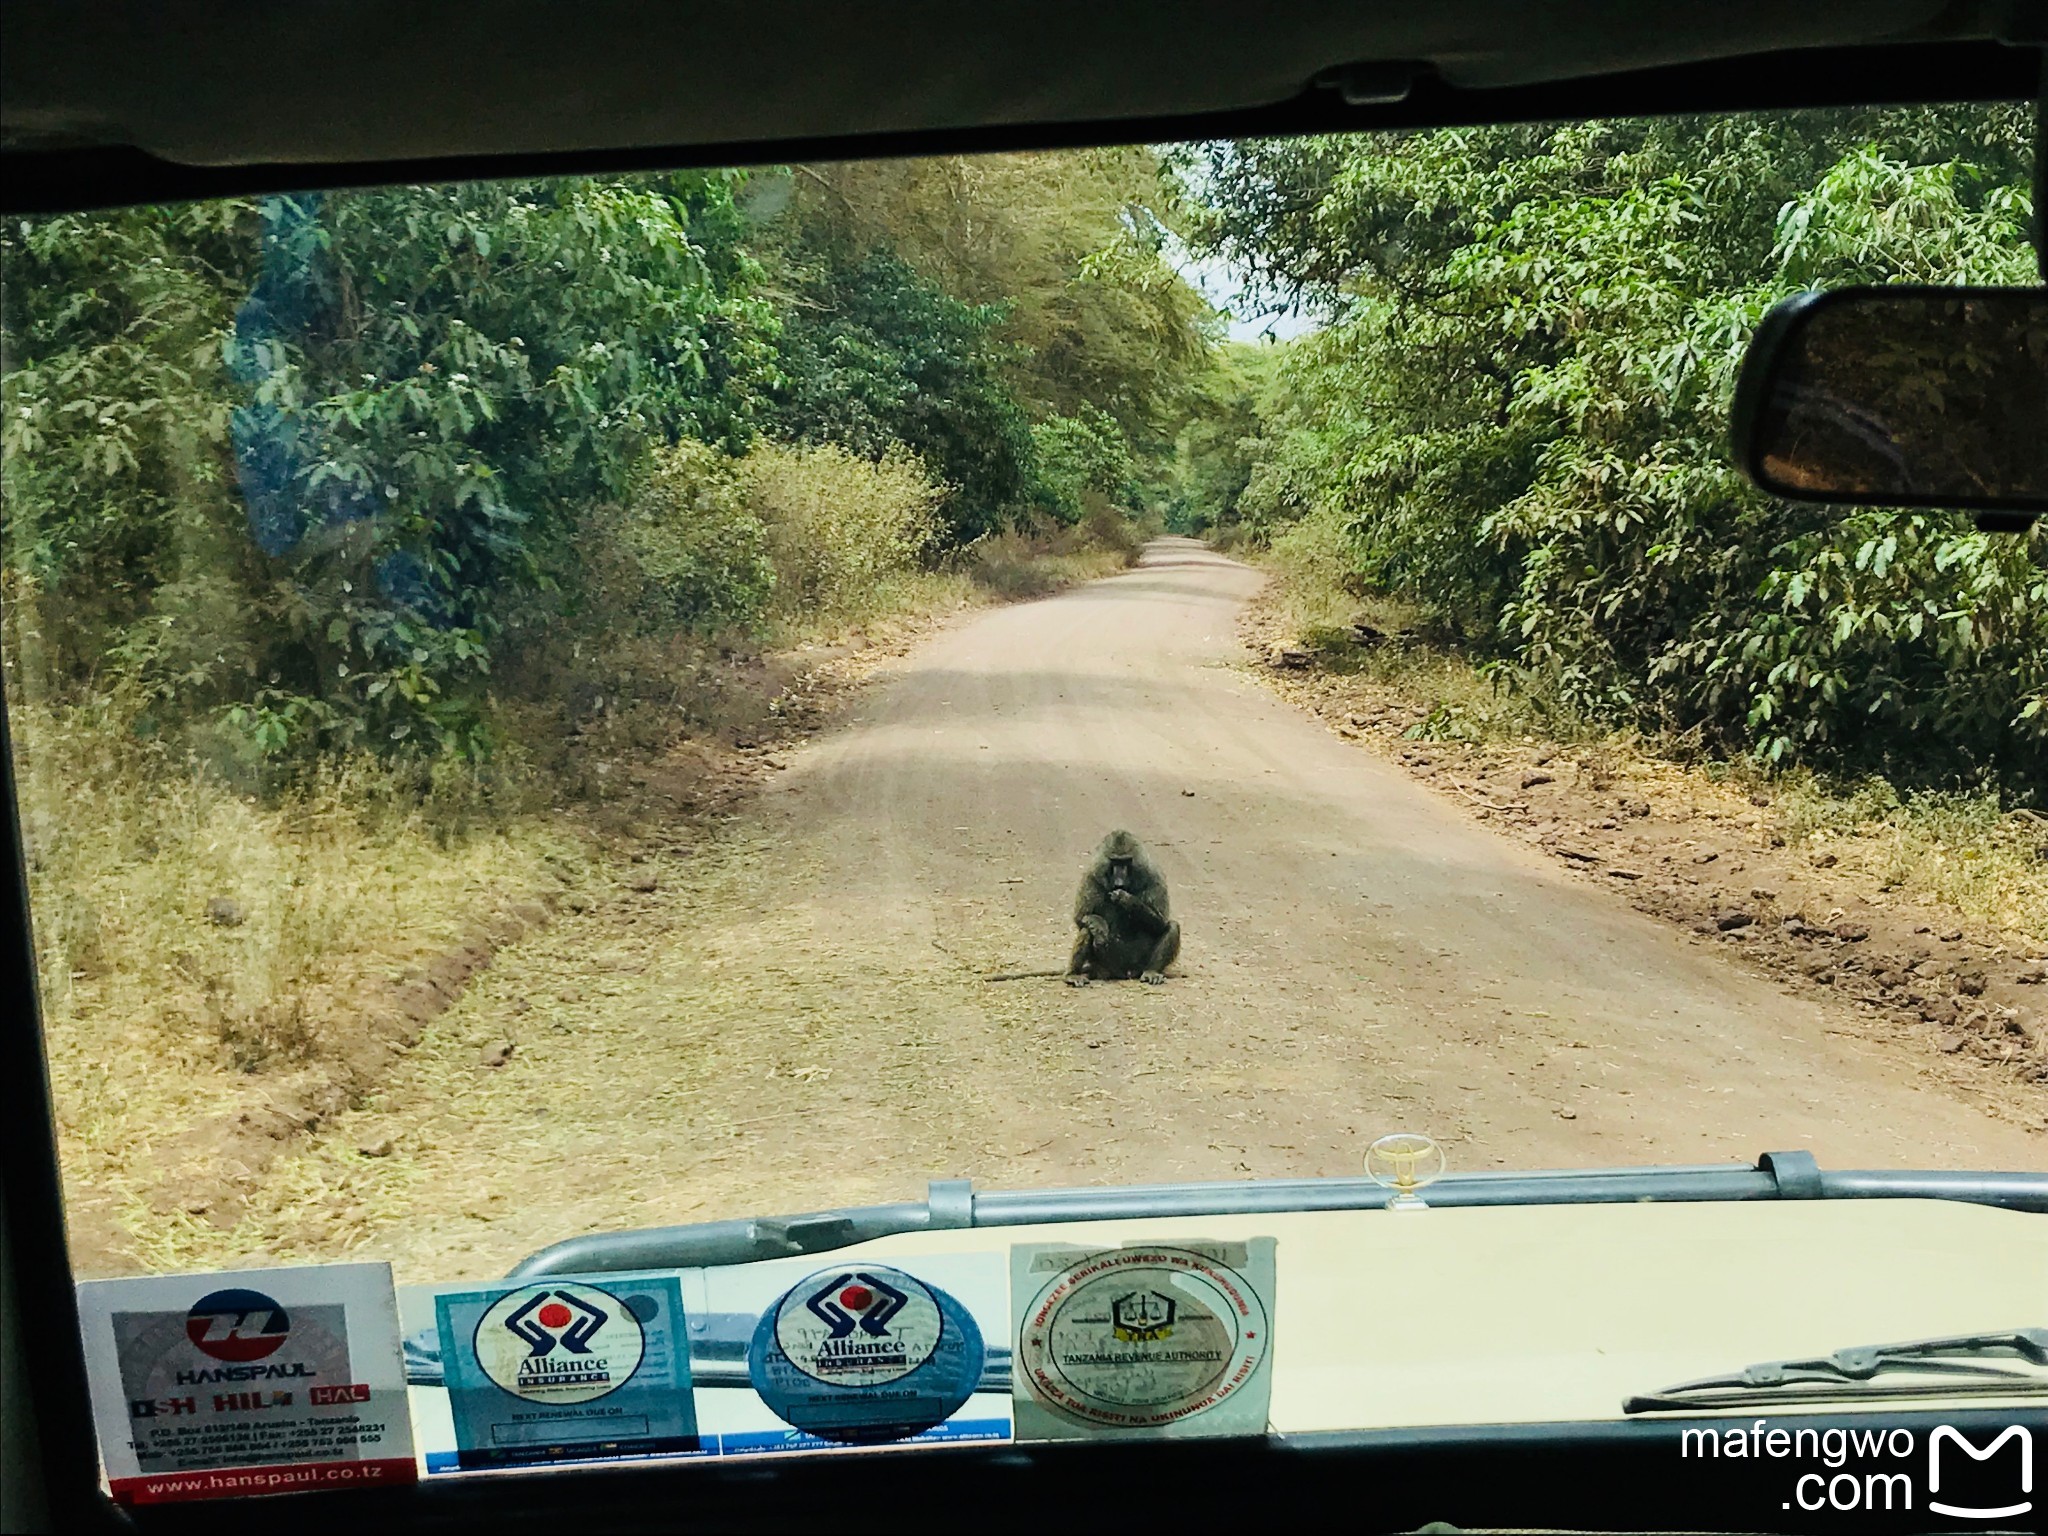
x=865 y=1353
x=257 y=1381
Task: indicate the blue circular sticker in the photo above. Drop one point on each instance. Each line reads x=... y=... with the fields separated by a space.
x=865 y=1354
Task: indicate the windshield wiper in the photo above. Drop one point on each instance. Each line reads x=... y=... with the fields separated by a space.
x=955 y=1203
x=1952 y=1364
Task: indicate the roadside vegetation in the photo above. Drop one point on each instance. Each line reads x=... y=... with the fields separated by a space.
x=365 y=552
x=1503 y=448
x=1374 y=666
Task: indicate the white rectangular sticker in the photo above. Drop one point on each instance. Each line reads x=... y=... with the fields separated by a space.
x=248 y=1382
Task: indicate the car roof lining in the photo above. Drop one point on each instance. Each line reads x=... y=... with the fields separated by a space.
x=113 y=101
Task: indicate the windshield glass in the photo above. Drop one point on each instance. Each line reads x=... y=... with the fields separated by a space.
x=549 y=707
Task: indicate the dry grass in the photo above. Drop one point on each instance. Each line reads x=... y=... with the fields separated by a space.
x=1011 y=568
x=590 y=1003
x=1963 y=850
x=159 y=1016
x=1002 y=568
x=1014 y=566
x=892 y=595
x=1314 y=597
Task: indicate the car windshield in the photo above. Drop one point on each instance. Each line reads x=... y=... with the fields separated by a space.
x=552 y=707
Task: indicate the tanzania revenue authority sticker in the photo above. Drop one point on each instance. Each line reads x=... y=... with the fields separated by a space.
x=865 y=1354
x=559 y=1343
x=1141 y=1338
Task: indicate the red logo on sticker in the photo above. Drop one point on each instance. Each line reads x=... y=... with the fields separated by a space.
x=237 y=1325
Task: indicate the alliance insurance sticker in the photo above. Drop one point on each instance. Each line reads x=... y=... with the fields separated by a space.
x=564 y=1370
x=560 y=1343
x=1150 y=1338
x=865 y=1353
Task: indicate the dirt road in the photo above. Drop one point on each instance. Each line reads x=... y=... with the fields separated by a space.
x=795 y=1018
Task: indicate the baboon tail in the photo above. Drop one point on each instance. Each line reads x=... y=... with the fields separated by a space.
x=1023 y=975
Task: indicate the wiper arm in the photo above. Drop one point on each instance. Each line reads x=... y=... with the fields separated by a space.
x=955 y=1203
x=1956 y=1363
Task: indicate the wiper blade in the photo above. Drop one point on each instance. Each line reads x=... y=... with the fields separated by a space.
x=1949 y=1366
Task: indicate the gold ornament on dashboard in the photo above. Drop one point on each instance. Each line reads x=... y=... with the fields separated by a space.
x=1404 y=1162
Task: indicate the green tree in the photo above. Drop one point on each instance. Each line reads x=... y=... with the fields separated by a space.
x=1518 y=415
x=1072 y=245
x=1082 y=453
x=370 y=423
x=873 y=355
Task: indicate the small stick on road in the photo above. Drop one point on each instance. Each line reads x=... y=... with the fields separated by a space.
x=1479 y=799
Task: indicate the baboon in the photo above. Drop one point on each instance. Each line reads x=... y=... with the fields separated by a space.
x=1121 y=912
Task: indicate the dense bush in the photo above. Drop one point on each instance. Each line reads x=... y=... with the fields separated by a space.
x=718 y=546
x=1082 y=454
x=695 y=538
x=838 y=524
x=1518 y=420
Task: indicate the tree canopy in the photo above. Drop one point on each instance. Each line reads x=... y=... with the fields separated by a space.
x=308 y=469
x=306 y=472
x=1516 y=416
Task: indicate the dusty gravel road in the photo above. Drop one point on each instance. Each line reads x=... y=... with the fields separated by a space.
x=796 y=1019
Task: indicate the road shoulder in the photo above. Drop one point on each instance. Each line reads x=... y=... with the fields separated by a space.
x=1965 y=1003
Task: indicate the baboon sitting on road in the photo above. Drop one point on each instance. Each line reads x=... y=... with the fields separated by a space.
x=1126 y=929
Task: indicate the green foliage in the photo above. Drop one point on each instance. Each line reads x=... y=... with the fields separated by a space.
x=113 y=424
x=375 y=416
x=1887 y=638
x=875 y=355
x=1073 y=249
x=700 y=545
x=1518 y=419
x=1221 y=445
x=460 y=395
x=301 y=476
x=1083 y=453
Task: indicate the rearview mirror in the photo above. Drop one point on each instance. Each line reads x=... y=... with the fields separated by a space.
x=1901 y=397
